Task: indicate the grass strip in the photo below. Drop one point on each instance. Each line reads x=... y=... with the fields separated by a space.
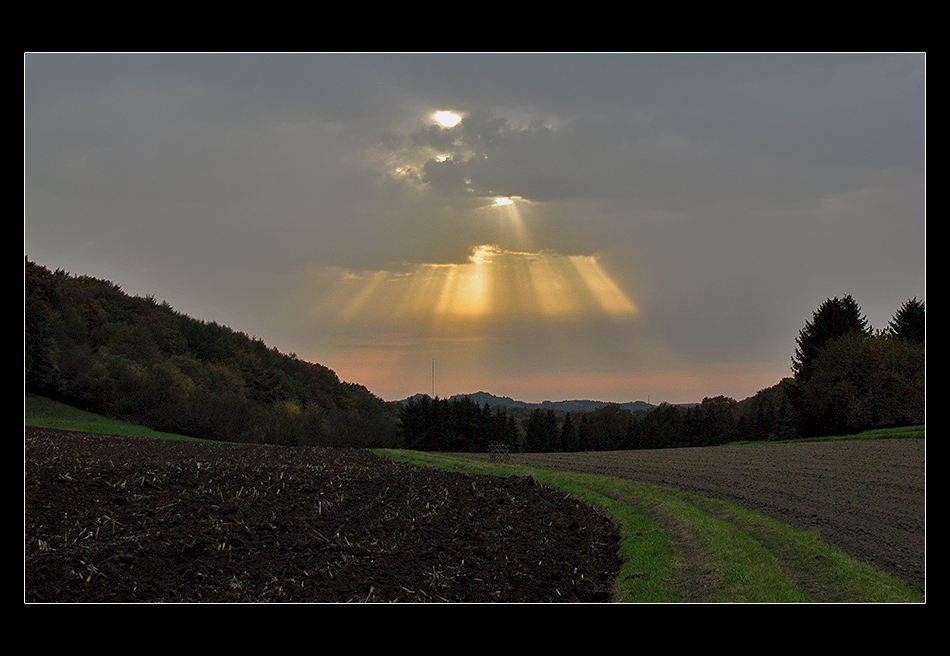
x=744 y=556
x=824 y=570
x=727 y=565
x=904 y=432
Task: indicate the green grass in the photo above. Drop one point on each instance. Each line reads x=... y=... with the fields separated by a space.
x=737 y=555
x=912 y=432
x=46 y=413
x=746 y=557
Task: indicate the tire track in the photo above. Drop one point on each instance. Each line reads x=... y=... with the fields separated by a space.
x=867 y=497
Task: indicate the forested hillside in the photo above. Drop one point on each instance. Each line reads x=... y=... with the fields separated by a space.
x=89 y=344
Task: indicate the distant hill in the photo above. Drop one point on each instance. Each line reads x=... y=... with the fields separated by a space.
x=482 y=398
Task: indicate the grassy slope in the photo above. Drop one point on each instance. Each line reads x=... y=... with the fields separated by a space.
x=738 y=555
x=45 y=413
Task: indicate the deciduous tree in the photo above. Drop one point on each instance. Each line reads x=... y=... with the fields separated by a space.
x=861 y=381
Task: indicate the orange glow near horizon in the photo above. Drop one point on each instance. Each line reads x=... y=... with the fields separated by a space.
x=396 y=370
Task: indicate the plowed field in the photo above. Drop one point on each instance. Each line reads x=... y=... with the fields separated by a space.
x=867 y=497
x=113 y=519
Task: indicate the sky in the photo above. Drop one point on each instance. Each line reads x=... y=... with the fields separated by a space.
x=544 y=226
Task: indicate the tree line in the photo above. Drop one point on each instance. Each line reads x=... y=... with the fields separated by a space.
x=89 y=344
x=458 y=424
x=847 y=378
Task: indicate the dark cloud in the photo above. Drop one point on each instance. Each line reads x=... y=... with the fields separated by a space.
x=727 y=195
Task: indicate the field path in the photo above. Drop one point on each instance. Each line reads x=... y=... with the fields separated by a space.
x=867 y=497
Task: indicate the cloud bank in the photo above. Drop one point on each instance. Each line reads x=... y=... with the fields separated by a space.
x=675 y=218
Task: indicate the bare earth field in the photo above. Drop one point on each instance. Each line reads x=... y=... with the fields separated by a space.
x=118 y=519
x=112 y=519
x=867 y=497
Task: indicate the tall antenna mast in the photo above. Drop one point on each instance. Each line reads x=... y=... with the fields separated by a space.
x=433 y=378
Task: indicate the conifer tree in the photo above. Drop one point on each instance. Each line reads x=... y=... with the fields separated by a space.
x=833 y=319
x=910 y=322
x=568 y=435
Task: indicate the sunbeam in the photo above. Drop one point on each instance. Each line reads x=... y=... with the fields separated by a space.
x=511 y=225
x=493 y=285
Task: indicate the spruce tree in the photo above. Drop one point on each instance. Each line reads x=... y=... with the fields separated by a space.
x=833 y=319
x=910 y=322
x=568 y=435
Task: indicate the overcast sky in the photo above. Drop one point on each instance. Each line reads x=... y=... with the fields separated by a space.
x=668 y=222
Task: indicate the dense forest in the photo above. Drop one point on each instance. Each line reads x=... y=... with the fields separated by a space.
x=91 y=345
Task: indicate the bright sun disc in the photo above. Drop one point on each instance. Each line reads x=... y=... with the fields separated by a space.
x=503 y=201
x=448 y=119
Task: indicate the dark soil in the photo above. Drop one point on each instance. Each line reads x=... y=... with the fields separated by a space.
x=117 y=519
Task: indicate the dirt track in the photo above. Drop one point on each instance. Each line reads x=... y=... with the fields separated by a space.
x=865 y=496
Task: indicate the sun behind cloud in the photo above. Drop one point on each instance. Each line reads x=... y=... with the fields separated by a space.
x=447 y=119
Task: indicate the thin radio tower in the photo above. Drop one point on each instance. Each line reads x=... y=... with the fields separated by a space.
x=433 y=378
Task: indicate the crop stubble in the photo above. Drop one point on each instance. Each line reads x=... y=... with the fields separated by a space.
x=112 y=519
